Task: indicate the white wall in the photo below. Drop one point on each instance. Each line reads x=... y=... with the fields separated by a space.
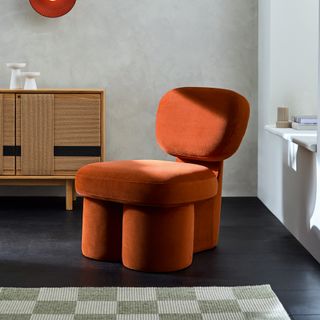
x=288 y=75
x=137 y=50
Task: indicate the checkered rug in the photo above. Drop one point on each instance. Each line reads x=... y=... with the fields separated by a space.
x=194 y=303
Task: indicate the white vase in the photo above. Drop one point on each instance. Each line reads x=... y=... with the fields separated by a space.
x=16 y=79
x=30 y=80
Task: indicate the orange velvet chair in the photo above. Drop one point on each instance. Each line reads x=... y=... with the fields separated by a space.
x=153 y=215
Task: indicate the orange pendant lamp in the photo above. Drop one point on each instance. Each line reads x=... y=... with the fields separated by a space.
x=52 y=8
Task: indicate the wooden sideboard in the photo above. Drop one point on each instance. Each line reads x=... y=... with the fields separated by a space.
x=46 y=135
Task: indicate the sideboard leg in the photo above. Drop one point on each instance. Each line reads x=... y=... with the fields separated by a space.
x=69 y=195
x=74 y=191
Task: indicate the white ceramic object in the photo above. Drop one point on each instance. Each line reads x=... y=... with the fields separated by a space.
x=16 y=79
x=30 y=80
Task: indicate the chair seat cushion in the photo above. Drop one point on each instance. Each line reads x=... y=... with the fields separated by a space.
x=146 y=182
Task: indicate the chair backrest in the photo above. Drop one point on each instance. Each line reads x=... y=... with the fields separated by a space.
x=203 y=124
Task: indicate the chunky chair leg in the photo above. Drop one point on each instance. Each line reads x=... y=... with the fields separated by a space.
x=102 y=230
x=157 y=239
x=207 y=212
x=203 y=225
x=206 y=224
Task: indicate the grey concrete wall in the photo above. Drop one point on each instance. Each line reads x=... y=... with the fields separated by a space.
x=138 y=50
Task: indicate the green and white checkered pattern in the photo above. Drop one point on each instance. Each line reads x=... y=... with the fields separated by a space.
x=194 y=303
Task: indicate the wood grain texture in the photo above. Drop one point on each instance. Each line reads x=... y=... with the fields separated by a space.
x=103 y=126
x=7 y=178
x=38 y=121
x=77 y=120
x=7 y=132
x=32 y=182
x=71 y=165
x=69 y=195
x=8 y=166
x=1 y=134
x=18 y=122
x=37 y=111
x=74 y=192
x=9 y=119
x=50 y=90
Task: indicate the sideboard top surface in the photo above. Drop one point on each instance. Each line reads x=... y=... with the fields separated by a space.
x=53 y=90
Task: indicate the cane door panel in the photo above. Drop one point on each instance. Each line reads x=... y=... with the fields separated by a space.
x=35 y=124
x=7 y=134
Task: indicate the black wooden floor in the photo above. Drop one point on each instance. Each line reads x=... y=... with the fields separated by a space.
x=40 y=246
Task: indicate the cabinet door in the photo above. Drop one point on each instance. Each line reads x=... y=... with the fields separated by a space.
x=34 y=132
x=77 y=131
x=7 y=134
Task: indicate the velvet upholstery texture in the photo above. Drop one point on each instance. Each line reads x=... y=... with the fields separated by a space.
x=203 y=124
x=153 y=215
x=147 y=182
x=207 y=225
x=102 y=230
x=157 y=239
